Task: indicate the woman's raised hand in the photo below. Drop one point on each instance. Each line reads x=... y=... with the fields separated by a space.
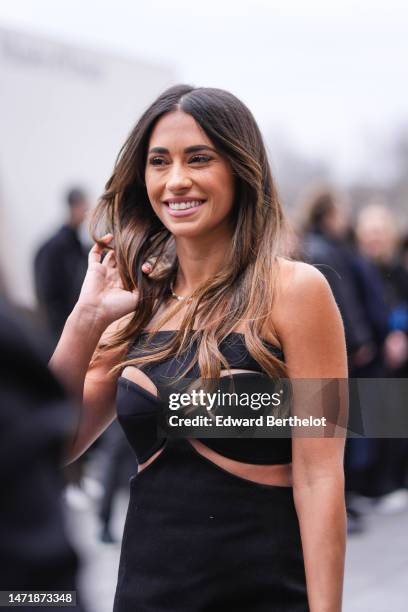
x=102 y=291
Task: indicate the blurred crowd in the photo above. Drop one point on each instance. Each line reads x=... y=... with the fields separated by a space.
x=365 y=260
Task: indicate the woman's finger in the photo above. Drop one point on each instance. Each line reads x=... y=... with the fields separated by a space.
x=95 y=253
x=147 y=267
x=109 y=260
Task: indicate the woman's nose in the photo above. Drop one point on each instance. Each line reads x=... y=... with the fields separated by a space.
x=179 y=178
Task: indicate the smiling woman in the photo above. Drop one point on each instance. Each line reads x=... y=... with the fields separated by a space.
x=189 y=182
x=213 y=524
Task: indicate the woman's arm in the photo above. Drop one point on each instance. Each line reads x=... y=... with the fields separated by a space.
x=87 y=378
x=310 y=328
x=79 y=339
x=102 y=307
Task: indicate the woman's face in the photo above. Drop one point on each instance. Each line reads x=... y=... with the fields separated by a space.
x=189 y=184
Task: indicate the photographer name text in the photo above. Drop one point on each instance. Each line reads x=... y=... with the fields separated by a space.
x=228 y=421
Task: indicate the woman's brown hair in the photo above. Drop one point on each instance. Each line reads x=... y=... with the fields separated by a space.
x=243 y=291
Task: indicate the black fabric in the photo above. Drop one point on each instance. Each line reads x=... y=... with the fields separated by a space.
x=35 y=421
x=59 y=270
x=199 y=539
x=138 y=409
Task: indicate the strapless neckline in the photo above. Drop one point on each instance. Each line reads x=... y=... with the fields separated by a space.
x=240 y=334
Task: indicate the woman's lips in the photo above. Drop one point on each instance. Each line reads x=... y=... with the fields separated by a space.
x=183 y=212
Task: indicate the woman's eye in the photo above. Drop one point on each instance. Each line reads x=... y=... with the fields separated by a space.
x=156 y=161
x=200 y=159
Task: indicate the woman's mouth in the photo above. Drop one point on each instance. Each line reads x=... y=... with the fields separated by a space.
x=183 y=208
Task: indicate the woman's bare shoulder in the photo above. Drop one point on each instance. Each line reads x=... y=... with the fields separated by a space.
x=303 y=298
x=297 y=278
x=308 y=323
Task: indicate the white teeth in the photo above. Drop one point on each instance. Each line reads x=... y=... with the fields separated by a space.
x=184 y=205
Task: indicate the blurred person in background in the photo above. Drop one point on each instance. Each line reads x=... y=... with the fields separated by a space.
x=378 y=238
x=358 y=292
x=118 y=464
x=36 y=421
x=353 y=280
x=60 y=266
x=59 y=270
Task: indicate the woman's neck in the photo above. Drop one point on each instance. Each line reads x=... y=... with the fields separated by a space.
x=199 y=260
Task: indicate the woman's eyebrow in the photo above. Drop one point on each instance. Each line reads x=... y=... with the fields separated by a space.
x=192 y=149
x=199 y=147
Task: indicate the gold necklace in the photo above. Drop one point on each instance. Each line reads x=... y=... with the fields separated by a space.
x=180 y=298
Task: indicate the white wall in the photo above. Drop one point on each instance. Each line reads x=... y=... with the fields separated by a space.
x=64 y=113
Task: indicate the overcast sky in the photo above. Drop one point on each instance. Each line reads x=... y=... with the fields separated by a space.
x=328 y=76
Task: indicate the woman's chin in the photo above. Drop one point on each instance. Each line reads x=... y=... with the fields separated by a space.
x=188 y=230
